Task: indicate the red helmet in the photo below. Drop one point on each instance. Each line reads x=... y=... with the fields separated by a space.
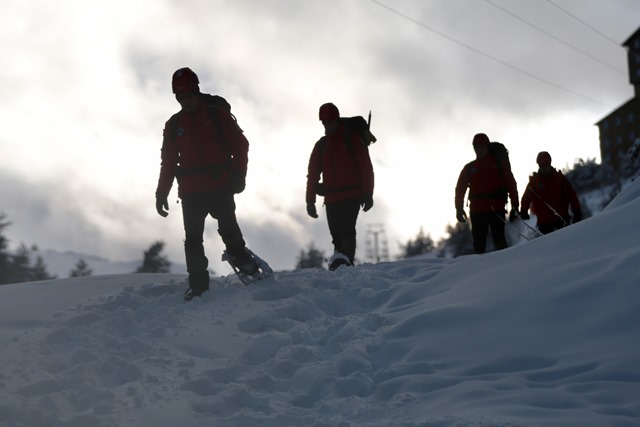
x=543 y=159
x=328 y=111
x=480 y=139
x=184 y=80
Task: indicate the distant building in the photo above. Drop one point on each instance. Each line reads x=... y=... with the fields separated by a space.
x=620 y=128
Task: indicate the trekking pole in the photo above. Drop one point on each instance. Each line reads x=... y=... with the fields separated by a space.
x=509 y=225
x=549 y=206
x=538 y=233
x=369 y=120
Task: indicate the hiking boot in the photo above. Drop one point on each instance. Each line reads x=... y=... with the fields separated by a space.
x=337 y=260
x=190 y=294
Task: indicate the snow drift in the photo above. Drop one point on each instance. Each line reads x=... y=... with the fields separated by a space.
x=541 y=334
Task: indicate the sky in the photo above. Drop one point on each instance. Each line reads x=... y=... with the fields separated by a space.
x=85 y=92
x=544 y=333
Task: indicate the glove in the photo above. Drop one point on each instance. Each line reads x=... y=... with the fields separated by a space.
x=461 y=215
x=577 y=216
x=524 y=215
x=237 y=182
x=162 y=204
x=514 y=214
x=366 y=202
x=311 y=210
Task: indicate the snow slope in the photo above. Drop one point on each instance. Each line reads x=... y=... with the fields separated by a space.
x=545 y=333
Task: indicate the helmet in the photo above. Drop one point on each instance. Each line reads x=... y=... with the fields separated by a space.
x=543 y=159
x=184 y=80
x=480 y=139
x=328 y=111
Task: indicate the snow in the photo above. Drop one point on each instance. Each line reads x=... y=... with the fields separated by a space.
x=541 y=334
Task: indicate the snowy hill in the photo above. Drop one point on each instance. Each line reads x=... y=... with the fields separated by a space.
x=541 y=334
x=61 y=263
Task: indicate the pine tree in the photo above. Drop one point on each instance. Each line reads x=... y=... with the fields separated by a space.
x=459 y=242
x=39 y=269
x=81 y=269
x=420 y=245
x=20 y=265
x=311 y=258
x=154 y=261
x=4 y=255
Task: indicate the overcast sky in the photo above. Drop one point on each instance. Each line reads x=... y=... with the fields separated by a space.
x=85 y=92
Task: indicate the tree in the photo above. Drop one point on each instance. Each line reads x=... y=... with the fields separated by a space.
x=81 y=269
x=39 y=269
x=20 y=263
x=4 y=255
x=459 y=242
x=21 y=269
x=312 y=258
x=154 y=261
x=420 y=245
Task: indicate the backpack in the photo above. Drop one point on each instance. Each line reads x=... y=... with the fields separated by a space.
x=360 y=127
x=213 y=102
x=500 y=153
x=357 y=125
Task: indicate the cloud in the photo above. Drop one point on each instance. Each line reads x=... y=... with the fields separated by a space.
x=85 y=92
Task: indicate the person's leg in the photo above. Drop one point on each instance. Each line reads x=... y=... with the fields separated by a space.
x=546 y=228
x=333 y=219
x=223 y=208
x=342 y=217
x=497 y=223
x=348 y=224
x=194 y=212
x=479 y=231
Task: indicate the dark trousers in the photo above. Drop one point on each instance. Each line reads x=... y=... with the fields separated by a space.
x=480 y=224
x=195 y=209
x=553 y=226
x=342 y=217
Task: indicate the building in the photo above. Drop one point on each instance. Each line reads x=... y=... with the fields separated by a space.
x=619 y=129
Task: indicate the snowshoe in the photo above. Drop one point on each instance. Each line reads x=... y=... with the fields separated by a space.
x=338 y=259
x=248 y=266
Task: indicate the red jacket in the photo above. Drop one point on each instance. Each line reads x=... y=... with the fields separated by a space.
x=488 y=185
x=202 y=149
x=344 y=163
x=553 y=189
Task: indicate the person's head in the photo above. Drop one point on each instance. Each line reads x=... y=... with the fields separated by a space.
x=544 y=162
x=481 y=144
x=184 y=84
x=329 y=116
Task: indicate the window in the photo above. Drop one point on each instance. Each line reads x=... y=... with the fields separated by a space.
x=619 y=140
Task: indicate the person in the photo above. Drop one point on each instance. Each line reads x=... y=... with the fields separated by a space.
x=489 y=181
x=206 y=151
x=342 y=159
x=549 y=193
